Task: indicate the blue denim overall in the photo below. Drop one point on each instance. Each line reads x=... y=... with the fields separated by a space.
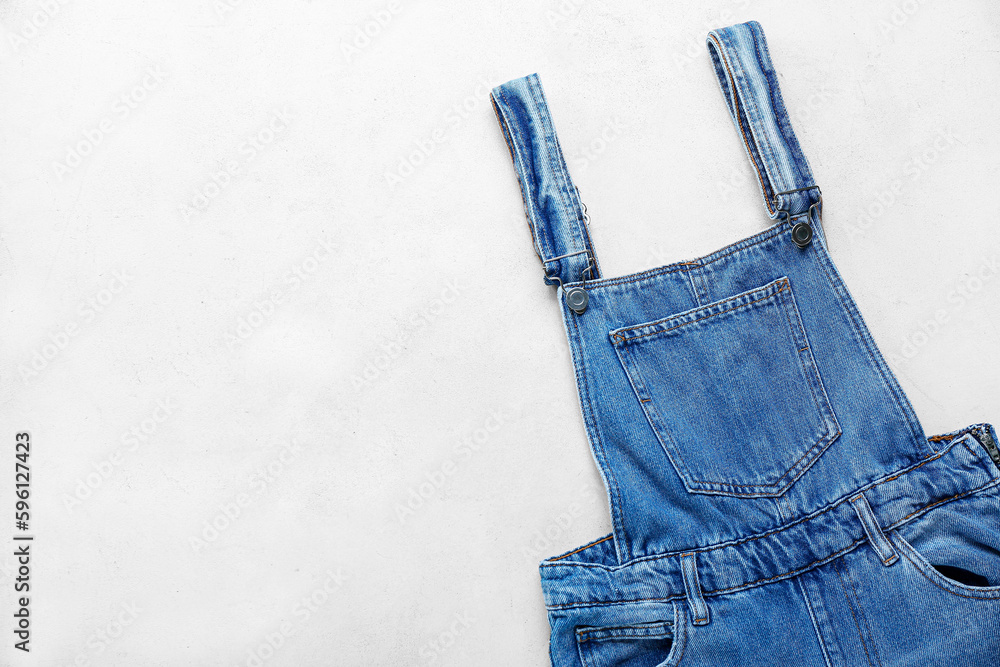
x=774 y=499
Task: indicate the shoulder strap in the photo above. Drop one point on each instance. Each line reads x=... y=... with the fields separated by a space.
x=551 y=202
x=750 y=85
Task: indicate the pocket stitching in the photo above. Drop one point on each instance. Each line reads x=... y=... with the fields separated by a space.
x=650 y=625
x=814 y=378
x=831 y=435
x=824 y=409
x=927 y=570
x=617 y=333
x=674 y=655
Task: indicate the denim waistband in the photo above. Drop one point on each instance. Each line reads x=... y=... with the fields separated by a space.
x=961 y=468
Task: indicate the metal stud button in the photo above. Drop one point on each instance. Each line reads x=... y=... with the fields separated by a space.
x=577 y=300
x=802 y=234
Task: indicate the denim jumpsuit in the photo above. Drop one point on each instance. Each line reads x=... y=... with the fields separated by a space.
x=774 y=499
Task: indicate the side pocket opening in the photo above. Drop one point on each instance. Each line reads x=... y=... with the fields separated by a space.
x=635 y=643
x=639 y=645
x=956 y=546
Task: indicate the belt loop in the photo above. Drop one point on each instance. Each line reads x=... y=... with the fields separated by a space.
x=883 y=547
x=692 y=589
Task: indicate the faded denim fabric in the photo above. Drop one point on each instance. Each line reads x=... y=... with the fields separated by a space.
x=774 y=498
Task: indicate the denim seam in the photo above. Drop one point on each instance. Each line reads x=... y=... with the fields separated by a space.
x=783 y=121
x=582 y=653
x=815 y=380
x=777 y=506
x=634 y=377
x=786 y=575
x=614 y=499
x=585 y=546
x=812 y=515
x=865 y=336
x=879 y=542
x=539 y=245
x=813 y=451
x=763 y=147
x=692 y=589
x=541 y=109
x=854 y=616
x=821 y=445
x=812 y=617
x=581 y=224
x=987 y=595
x=694 y=289
x=602 y=629
x=734 y=92
x=778 y=109
x=943 y=501
x=759 y=582
x=625 y=340
x=960 y=436
x=552 y=146
x=680 y=635
x=965 y=443
x=767 y=151
x=761 y=237
x=721 y=591
x=863 y=616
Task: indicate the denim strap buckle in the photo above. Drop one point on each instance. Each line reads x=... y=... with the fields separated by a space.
x=750 y=85
x=556 y=215
x=802 y=230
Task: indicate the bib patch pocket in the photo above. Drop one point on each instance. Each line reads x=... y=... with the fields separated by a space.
x=732 y=392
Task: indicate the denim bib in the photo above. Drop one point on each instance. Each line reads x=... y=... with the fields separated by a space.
x=773 y=497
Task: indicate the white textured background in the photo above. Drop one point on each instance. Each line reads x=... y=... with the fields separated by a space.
x=311 y=394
